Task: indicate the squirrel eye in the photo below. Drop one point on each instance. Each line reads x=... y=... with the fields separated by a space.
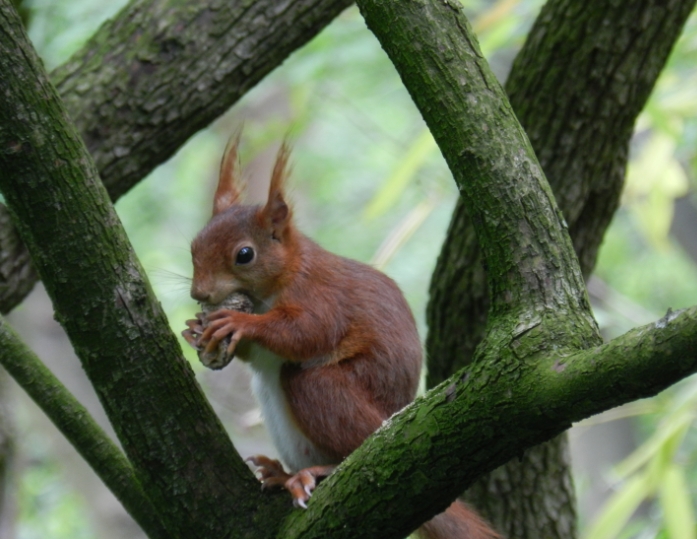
x=244 y=256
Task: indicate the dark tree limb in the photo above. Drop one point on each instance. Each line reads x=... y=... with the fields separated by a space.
x=478 y=420
x=182 y=456
x=533 y=270
x=77 y=425
x=17 y=274
x=157 y=74
x=483 y=417
x=163 y=69
x=577 y=86
x=494 y=211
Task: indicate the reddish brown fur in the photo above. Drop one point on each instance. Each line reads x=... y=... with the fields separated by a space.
x=229 y=190
x=352 y=349
x=458 y=521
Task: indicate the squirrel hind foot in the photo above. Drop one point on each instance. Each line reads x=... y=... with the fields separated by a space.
x=300 y=486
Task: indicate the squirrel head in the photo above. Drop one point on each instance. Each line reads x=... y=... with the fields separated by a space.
x=244 y=248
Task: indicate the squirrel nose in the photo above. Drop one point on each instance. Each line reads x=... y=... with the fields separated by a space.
x=199 y=294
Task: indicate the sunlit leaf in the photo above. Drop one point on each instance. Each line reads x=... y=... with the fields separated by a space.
x=677 y=504
x=619 y=509
x=673 y=428
x=501 y=11
x=402 y=232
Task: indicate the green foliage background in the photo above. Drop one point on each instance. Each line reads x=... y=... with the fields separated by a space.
x=369 y=183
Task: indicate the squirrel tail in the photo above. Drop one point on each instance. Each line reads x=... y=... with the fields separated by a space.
x=457 y=522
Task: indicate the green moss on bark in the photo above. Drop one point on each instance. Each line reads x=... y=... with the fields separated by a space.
x=109 y=312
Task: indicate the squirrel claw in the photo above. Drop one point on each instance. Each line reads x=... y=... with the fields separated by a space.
x=191 y=335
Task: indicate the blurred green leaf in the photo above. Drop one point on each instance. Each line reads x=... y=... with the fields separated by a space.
x=404 y=230
x=619 y=508
x=402 y=175
x=654 y=180
x=677 y=504
x=669 y=434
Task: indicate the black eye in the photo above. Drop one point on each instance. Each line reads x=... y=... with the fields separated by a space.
x=244 y=256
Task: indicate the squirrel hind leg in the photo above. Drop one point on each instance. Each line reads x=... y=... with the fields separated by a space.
x=457 y=522
x=300 y=485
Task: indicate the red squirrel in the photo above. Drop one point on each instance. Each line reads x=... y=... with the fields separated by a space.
x=332 y=343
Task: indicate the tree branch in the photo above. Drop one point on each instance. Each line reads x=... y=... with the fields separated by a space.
x=164 y=69
x=181 y=454
x=480 y=418
x=607 y=57
x=119 y=88
x=77 y=425
x=576 y=86
x=17 y=275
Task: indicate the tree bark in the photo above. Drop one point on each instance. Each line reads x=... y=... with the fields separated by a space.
x=577 y=87
x=119 y=88
x=179 y=450
x=17 y=275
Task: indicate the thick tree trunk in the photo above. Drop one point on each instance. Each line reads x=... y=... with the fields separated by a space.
x=577 y=87
x=177 y=446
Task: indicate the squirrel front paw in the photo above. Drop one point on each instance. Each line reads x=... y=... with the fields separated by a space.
x=218 y=357
x=193 y=334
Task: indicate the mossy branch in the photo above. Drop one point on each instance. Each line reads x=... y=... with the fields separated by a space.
x=161 y=70
x=576 y=86
x=420 y=460
x=79 y=428
x=182 y=456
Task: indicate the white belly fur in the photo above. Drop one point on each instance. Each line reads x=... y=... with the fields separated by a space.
x=296 y=451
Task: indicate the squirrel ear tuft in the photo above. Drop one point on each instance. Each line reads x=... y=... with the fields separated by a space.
x=230 y=185
x=276 y=212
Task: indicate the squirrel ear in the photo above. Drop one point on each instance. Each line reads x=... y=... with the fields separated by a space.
x=276 y=212
x=229 y=183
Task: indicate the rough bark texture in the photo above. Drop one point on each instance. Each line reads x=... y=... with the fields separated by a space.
x=532 y=496
x=17 y=275
x=532 y=270
x=154 y=76
x=109 y=312
x=577 y=87
x=76 y=424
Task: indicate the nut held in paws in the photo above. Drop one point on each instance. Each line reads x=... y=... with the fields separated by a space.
x=236 y=301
